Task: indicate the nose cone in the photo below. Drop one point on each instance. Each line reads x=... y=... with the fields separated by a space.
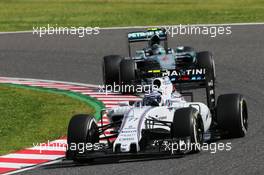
x=130 y=131
x=125 y=147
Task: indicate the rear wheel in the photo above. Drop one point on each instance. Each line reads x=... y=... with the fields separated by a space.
x=82 y=129
x=111 y=69
x=187 y=122
x=232 y=115
x=127 y=75
x=205 y=60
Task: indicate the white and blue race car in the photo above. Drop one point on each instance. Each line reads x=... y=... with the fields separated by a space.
x=157 y=125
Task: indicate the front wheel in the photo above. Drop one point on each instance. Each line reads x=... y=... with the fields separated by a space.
x=82 y=130
x=232 y=115
x=187 y=122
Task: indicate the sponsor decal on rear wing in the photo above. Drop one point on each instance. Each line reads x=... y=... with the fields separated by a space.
x=185 y=75
x=146 y=35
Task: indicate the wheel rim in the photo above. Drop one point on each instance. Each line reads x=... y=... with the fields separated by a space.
x=244 y=116
x=92 y=134
x=198 y=131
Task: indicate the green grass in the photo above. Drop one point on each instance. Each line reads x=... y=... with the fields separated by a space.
x=24 y=14
x=29 y=116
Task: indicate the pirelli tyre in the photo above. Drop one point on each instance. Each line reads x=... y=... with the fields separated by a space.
x=187 y=123
x=82 y=130
x=111 y=69
x=205 y=60
x=232 y=115
x=127 y=76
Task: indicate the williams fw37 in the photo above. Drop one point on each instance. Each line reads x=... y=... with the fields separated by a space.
x=155 y=124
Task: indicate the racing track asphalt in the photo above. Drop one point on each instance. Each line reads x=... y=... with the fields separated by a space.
x=239 y=67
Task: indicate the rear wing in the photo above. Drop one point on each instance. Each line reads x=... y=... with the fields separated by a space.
x=142 y=36
x=189 y=79
x=194 y=78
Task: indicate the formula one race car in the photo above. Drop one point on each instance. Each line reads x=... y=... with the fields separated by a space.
x=182 y=64
x=156 y=124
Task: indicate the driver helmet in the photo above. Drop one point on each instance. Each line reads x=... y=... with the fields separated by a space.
x=154 y=40
x=157 y=49
x=152 y=99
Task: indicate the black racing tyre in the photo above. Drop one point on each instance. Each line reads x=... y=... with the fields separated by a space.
x=187 y=122
x=111 y=69
x=82 y=129
x=232 y=115
x=205 y=60
x=127 y=75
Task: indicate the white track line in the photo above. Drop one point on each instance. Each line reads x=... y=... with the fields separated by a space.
x=47 y=148
x=117 y=99
x=51 y=81
x=100 y=93
x=14 y=165
x=111 y=106
x=224 y=24
x=60 y=141
x=113 y=96
x=140 y=27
